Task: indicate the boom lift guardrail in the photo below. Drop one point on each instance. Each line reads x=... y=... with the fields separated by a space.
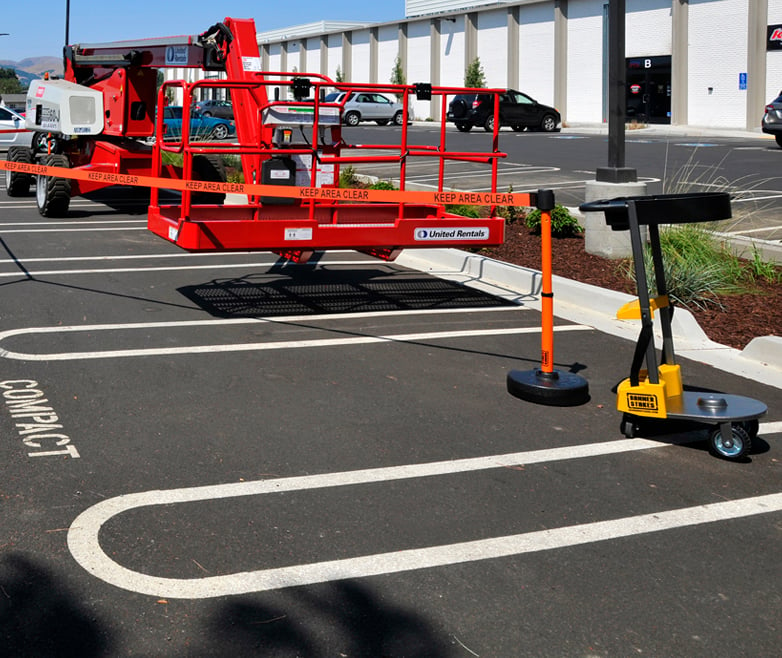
x=102 y=115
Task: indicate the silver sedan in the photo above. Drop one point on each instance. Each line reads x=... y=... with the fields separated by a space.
x=10 y=120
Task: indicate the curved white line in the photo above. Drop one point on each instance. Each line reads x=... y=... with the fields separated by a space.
x=277 y=345
x=288 y=319
x=84 y=544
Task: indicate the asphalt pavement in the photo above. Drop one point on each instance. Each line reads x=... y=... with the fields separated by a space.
x=229 y=454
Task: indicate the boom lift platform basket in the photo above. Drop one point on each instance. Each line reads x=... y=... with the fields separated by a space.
x=657 y=392
x=290 y=150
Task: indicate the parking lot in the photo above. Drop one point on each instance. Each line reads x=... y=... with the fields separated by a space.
x=228 y=454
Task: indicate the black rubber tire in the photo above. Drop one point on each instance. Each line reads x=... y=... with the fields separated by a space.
x=736 y=447
x=52 y=194
x=17 y=183
x=381 y=122
x=399 y=118
x=463 y=126
x=209 y=168
x=488 y=125
x=40 y=143
x=548 y=123
x=752 y=427
x=352 y=118
x=206 y=114
x=779 y=140
x=219 y=132
x=629 y=426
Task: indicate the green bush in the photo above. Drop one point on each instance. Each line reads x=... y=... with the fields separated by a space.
x=233 y=168
x=697 y=268
x=512 y=214
x=348 y=177
x=464 y=210
x=563 y=224
x=382 y=185
x=757 y=268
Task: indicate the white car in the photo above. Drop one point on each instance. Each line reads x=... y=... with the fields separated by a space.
x=369 y=106
x=10 y=120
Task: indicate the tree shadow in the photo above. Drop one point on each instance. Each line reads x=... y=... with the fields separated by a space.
x=338 y=619
x=39 y=616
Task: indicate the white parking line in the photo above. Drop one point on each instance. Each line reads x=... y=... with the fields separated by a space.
x=249 y=347
x=81 y=259
x=84 y=542
x=90 y=222
x=170 y=268
x=62 y=229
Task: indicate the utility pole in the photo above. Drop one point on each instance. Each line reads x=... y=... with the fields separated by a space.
x=616 y=171
x=615 y=180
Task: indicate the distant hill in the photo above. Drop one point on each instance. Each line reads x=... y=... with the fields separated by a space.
x=34 y=67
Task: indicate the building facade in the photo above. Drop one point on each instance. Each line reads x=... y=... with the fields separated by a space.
x=709 y=63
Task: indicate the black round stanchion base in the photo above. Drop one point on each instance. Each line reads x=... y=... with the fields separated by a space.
x=557 y=389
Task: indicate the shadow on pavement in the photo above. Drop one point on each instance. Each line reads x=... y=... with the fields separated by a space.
x=299 y=291
x=341 y=619
x=40 y=617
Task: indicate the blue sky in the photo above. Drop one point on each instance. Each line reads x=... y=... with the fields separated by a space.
x=38 y=28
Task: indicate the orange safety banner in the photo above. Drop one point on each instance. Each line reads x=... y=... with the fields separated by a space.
x=305 y=193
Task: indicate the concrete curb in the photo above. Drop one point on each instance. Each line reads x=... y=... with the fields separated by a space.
x=585 y=304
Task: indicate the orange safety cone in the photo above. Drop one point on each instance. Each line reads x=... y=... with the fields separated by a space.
x=545 y=385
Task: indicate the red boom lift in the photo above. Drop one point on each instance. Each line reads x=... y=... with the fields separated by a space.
x=105 y=121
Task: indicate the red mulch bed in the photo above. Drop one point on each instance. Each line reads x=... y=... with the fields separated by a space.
x=743 y=318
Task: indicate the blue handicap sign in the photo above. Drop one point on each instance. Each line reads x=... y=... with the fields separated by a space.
x=742 y=80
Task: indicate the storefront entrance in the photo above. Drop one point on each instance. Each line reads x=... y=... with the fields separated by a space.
x=649 y=89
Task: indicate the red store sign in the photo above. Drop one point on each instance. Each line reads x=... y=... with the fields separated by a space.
x=774 y=37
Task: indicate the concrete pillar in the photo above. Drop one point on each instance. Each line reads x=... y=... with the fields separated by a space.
x=373 y=55
x=512 y=74
x=599 y=239
x=470 y=39
x=757 y=19
x=434 y=67
x=347 y=56
x=560 y=56
x=679 y=62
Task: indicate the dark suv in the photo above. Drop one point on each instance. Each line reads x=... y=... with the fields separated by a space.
x=517 y=110
x=772 y=119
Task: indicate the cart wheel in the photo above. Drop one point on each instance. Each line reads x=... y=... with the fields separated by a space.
x=751 y=427
x=629 y=427
x=733 y=447
x=52 y=194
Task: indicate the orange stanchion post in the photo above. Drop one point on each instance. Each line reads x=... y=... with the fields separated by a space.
x=545 y=385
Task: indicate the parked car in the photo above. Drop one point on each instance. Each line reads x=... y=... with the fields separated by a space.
x=368 y=106
x=517 y=110
x=772 y=119
x=11 y=120
x=201 y=127
x=216 y=108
